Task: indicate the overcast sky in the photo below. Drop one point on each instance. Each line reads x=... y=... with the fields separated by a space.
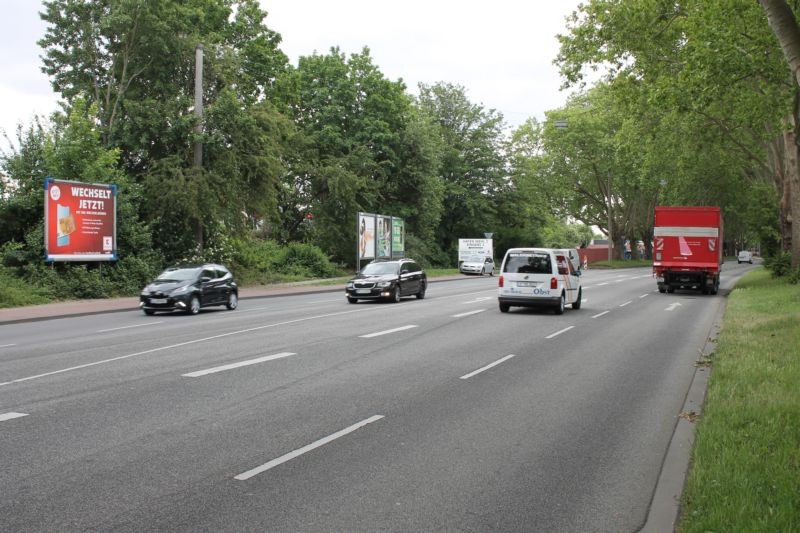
x=500 y=51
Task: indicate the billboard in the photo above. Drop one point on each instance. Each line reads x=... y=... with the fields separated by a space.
x=366 y=236
x=384 y=236
x=398 y=237
x=469 y=247
x=80 y=221
x=379 y=237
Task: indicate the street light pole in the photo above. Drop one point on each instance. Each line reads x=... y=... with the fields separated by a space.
x=610 y=233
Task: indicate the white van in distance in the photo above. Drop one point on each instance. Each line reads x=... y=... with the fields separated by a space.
x=538 y=277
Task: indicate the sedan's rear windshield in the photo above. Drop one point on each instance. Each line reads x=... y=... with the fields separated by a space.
x=380 y=269
x=179 y=274
x=528 y=263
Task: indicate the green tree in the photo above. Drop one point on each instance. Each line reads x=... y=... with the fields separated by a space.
x=473 y=167
x=134 y=61
x=709 y=68
x=362 y=149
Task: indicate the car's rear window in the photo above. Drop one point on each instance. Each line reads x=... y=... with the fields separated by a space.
x=528 y=263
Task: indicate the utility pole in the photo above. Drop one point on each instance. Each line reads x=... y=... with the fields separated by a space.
x=198 y=131
x=198 y=104
x=610 y=233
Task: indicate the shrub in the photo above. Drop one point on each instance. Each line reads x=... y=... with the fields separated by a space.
x=15 y=292
x=258 y=261
x=780 y=264
x=428 y=254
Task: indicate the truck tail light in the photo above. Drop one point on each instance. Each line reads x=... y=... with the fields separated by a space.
x=500 y=281
x=553 y=283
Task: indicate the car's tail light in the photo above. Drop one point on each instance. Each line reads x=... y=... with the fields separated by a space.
x=500 y=281
x=553 y=283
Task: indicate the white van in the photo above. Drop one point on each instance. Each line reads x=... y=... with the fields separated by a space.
x=573 y=256
x=538 y=277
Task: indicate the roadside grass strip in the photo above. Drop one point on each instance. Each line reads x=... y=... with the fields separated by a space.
x=305 y=449
x=745 y=473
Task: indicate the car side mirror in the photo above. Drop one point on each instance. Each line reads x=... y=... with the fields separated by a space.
x=204 y=279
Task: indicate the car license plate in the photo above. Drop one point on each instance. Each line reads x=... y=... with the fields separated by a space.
x=526 y=284
x=158 y=300
x=363 y=291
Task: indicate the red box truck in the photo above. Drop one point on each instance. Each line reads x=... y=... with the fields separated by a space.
x=687 y=248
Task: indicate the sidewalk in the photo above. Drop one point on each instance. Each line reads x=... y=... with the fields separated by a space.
x=106 y=305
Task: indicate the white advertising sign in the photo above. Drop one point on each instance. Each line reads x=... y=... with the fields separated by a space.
x=469 y=247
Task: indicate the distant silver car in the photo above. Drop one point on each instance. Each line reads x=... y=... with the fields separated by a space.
x=745 y=257
x=478 y=264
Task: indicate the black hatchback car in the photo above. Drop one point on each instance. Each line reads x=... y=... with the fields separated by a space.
x=188 y=288
x=387 y=280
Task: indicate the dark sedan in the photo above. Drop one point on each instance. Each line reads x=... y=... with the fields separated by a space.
x=387 y=280
x=188 y=288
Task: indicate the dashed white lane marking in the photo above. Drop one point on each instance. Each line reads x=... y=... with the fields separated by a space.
x=626 y=303
x=231 y=366
x=601 y=284
x=386 y=332
x=476 y=300
x=129 y=327
x=7 y=345
x=487 y=367
x=601 y=314
x=469 y=313
x=11 y=416
x=644 y=296
x=300 y=451
x=672 y=307
x=559 y=332
x=180 y=344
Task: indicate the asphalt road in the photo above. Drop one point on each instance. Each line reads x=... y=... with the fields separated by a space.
x=306 y=413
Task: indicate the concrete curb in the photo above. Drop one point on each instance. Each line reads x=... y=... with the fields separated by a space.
x=665 y=507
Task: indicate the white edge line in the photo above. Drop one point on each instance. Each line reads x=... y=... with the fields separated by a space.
x=11 y=416
x=386 y=332
x=129 y=327
x=300 y=451
x=178 y=345
x=626 y=303
x=469 y=313
x=231 y=366
x=7 y=345
x=559 y=332
x=487 y=367
x=601 y=314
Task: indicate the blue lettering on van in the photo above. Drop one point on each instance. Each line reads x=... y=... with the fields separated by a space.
x=541 y=292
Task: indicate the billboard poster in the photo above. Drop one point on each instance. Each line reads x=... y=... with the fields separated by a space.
x=80 y=221
x=366 y=236
x=398 y=237
x=470 y=247
x=384 y=236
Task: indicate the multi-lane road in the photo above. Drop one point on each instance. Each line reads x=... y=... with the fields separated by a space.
x=306 y=413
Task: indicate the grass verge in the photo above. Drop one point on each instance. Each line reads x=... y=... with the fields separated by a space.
x=14 y=292
x=745 y=473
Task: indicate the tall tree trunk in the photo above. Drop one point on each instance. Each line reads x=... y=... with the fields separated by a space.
x=784 y=26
